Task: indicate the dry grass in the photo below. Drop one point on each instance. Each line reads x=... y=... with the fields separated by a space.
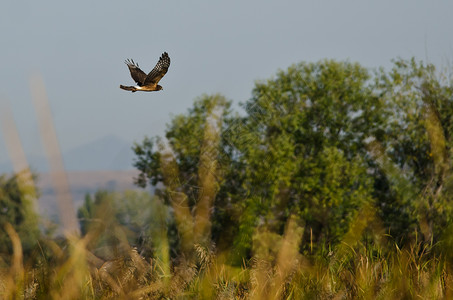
x=276 y=271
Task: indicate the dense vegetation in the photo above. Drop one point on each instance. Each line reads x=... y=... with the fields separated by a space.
x=335 y=181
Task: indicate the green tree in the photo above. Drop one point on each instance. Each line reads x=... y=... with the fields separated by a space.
x=17 y=208
x=417 y=141
x=307 y=156
x=119 y=220
x=183 y=167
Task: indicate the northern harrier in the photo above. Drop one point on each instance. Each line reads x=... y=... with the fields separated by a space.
x=147 y=83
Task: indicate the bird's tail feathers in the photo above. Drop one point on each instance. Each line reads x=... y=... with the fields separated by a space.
x=128 y=88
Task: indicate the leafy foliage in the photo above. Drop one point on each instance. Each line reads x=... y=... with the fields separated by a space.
x=307 y=158
x=17 y=209
x=121 y=220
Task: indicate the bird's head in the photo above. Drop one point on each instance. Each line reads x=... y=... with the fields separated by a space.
x=159 y=87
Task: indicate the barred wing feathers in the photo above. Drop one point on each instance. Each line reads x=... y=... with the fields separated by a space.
x=159 y=70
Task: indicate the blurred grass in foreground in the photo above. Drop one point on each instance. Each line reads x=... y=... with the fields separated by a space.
x=70 y=270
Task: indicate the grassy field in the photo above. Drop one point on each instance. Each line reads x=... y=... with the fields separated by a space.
x=70 y=270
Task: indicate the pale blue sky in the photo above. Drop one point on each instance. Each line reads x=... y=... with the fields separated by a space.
x=79 y=48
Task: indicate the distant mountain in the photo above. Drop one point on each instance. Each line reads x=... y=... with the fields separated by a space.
x=108 y=153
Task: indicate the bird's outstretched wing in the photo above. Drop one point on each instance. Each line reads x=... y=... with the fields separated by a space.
x=159 y=70
x=138 y=75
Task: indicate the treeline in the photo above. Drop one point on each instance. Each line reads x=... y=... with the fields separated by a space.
x=328 y=165
x=325 y=143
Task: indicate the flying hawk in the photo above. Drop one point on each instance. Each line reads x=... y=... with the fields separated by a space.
x=147 y=83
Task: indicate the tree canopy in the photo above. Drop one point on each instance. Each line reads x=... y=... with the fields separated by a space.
x=17 y=197
x=318 y=141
